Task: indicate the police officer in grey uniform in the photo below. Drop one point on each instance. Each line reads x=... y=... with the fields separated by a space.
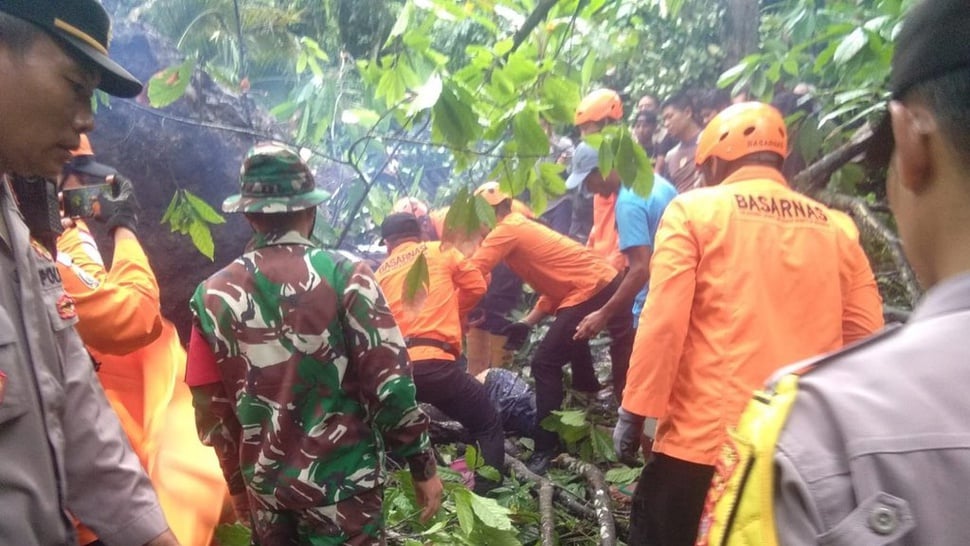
x=876 y=449
x=62 y=449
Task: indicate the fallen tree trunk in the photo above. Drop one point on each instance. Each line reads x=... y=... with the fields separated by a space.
x=564 y=498
x=601 y=497
x=548 y=524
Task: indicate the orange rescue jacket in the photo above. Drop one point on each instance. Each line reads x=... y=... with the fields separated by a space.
x=437 y=311
x=140 y=360
x=562 y=271
x=604 y=238
x=746 y=277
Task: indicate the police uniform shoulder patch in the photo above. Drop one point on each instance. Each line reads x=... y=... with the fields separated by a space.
x=66 y=307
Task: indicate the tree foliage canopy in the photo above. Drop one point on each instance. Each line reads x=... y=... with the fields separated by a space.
x=425 y=97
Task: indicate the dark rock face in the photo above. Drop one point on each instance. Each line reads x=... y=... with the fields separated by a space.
x=161 y=155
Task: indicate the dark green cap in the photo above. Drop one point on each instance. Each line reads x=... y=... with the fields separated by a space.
x=274 y=179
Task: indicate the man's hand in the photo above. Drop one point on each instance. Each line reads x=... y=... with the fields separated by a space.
x=240 y=503
x=516 y=335
x=626 y=436
x=591 y=325
x=121 y=209
x=429 y=493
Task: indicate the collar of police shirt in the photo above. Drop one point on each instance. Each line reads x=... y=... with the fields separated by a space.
x=5 y=193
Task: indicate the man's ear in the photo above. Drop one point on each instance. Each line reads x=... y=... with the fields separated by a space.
x=913 y=128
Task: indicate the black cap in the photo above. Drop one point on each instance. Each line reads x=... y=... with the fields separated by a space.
x=400 y=224
x=84 y=26
x=934 y=40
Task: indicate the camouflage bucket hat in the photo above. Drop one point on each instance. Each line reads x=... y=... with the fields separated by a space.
x=274 y=179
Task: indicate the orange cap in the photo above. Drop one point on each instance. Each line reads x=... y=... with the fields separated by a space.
x=600 y=105
x=411 y=205
x=491 y=192
x=84 y=148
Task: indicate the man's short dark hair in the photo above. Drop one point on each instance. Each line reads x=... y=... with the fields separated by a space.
x=276 y=221
x=647 y=116
x=949 y=98
x=18 y=35
x=681 y=100
x=713 y=99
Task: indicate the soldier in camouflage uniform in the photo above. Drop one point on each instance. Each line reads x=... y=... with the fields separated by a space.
x=299 y=374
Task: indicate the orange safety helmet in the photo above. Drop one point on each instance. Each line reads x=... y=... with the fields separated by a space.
x=742 y=129
x=84 y=148
x=599 y=105
x=492 y=194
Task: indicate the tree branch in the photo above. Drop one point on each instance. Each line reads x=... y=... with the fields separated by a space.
x=531 y=22
x=601 y=497
x=814 y=177
x=548 y=522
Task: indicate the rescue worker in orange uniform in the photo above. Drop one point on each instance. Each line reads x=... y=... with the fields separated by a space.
x=597 y=110
x=484 y=342
x=431 y=323
x=138 y=354
x=572 y=281
x=747 y=275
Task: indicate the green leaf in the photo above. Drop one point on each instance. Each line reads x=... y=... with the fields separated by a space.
x=301 y=62
x=417 y=278
x=520 y=70
x=573 y=418
x=491 y=513
x=473 y=458
x=625 y=162
x=623 y=475
x=494 y=537
x=484 y=213
x=169 y=85
x=172 y=205
x=732 y=74
x=530 y=137
x=606 y=156
x=425 y=96
x=202 y=209
x=202 y=238
x=463 y=507
x=563 y=96
x=489 y=472
x=552 y=181
x=233 y=535
x=602 y=443
x=850 y=46
x=454 y=120
x=790 y=65
x=402 y=22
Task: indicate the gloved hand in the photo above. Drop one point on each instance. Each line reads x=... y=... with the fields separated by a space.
x=626 y=436
x=120 y=209
x=516 y=335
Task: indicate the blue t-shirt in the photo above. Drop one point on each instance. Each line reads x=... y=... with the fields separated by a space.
x=637 y=219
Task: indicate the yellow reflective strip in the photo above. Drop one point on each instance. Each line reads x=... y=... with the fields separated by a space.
x=80 y=34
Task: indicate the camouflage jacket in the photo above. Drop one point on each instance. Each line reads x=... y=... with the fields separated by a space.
x=315 y=379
